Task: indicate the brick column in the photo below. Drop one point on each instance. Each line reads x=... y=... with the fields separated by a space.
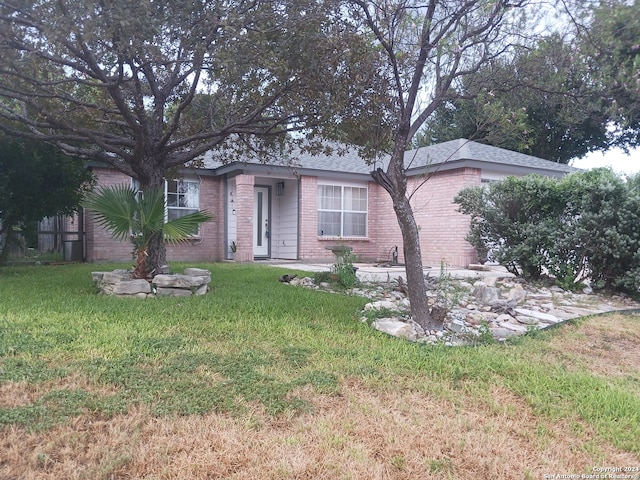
x=244 y=217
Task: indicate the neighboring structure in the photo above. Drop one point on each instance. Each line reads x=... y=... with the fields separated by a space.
x=295 y=210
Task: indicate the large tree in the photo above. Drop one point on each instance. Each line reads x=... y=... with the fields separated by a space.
x=609 y=39
x=430 y=46
x=150 y=85
x=541 y=101
x=36 y=181
x=572 y=94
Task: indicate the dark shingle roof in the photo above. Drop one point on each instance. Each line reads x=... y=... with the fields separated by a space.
x=462 y=152
x=440 y=157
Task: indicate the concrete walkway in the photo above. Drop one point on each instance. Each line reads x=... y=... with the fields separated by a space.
x=368 y=272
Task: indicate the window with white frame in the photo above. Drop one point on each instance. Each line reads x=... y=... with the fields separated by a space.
x=182 y=196
x=342 y=211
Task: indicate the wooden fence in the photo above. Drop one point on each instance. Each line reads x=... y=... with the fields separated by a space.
x=57 y=236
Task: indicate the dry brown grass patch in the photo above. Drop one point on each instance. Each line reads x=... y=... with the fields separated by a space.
x=605 y=345
x=359 y=434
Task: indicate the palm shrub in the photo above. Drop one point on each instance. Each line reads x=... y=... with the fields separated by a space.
x=127 y=214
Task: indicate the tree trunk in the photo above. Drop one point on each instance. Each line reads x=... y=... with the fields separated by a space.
x=416 y=284
x=151 y=177
x=157 y=255
x=141 y=264
x=394 y=181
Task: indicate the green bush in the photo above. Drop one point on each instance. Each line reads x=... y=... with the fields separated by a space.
x=514 y=221
x=585 y=226
x=345 y=271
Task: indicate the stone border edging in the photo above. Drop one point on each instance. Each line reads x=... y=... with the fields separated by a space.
x=120 y=283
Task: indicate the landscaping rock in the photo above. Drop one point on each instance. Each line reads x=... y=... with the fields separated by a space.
x=172 y=292
x=514 y=327
x=485 y=294
x=476 y=319
x=195 y=281
x=396 y=328
x=197 y=272
x=131 y=287
x=457 y=326
x=382 y=305
x=116 y=276
x=543 y=317
x=179 y=281
x=515 y=309
x=501 y=333
x=526 y=320
x=517 y=295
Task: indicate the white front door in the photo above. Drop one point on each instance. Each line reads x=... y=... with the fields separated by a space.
x=261 y=222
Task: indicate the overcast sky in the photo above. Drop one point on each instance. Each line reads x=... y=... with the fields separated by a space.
x=615 y=158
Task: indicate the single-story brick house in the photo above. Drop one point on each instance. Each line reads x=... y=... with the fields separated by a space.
x=282 y=211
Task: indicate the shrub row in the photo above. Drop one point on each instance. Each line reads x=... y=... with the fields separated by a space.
x=584 y=226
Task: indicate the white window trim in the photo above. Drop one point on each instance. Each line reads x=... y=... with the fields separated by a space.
x=136 y=185
x=342 y=210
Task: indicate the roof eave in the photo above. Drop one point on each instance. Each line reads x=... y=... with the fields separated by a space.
x=507 y=169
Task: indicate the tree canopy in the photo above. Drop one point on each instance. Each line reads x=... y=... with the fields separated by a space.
x=113 y=81
x=147 y=85
x=37 y=180
x=568 y=95
x=610 y=45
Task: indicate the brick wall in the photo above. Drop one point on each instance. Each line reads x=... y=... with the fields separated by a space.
x=383 y=231
x=244 y=217
x=442 y=228
x=383 y=224
x=101 y=247
x=209 y=246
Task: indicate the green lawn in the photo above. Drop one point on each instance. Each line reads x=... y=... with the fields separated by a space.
x=255 y=341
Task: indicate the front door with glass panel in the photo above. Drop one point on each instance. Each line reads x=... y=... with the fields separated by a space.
x=261 y=222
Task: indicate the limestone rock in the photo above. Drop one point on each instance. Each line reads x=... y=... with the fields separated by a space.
x=543 y=317
x=172 y=292
x=502 y=333
x=476 y=319
x=485 y=294
x=479 y=267
x=201 y=290
x=163 y=270
x=132 y=287
x=304 y=281
x=116 y=276
x=97 y=276
x=197 y=272
x=121 y=283
x=513 y=326
x=381 y=305
x=396 y=328
x=526 y=320
x=504 y=317
x=516 y=295
x=540 y=295
x=490 y=281
x=178 y=281
x=457 y=326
